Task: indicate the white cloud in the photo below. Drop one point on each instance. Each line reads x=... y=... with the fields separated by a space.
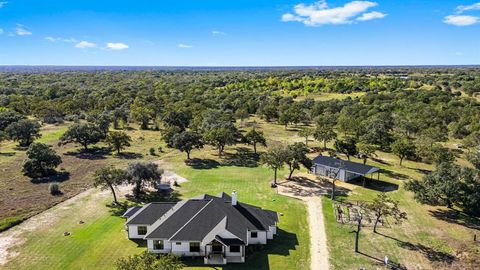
x=22 y=31
x=1 y=31
x=85 y=44
x=69 y=40
x=371 y=16
x=117 y=46
x=184 y=46
x=57 y=39
x=320 y=13
x=461 y=20
x=462 y=9
x=2 y=4
x=218 y=33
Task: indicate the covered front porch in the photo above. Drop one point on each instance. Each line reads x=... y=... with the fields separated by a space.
x=224 y=250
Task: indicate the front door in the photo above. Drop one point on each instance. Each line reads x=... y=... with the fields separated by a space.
x=217 y=247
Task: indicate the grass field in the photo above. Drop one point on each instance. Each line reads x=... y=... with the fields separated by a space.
x=102 y=239
x=429 y=236
x=21 y=198
x=328 y=96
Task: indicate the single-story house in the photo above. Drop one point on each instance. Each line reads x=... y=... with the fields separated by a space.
x=217 y=228
x=343 y=170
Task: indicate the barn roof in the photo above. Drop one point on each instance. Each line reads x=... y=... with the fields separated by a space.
x=350 y=166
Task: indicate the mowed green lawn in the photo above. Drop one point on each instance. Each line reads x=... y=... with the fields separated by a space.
x=426 y=239
x=423 y=240
x=101 y=240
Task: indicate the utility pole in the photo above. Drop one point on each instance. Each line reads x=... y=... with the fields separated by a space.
x=357 y=233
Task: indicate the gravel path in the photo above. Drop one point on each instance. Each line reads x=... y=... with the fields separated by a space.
x=309 y=191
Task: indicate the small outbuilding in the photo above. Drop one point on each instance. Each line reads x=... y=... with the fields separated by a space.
x=343 y=170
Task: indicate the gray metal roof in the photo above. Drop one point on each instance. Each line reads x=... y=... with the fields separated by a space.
x=177 y=220
x=193 y=220
x=229 y=241
x=350 y=166
x=149 y=213
x=131 y=211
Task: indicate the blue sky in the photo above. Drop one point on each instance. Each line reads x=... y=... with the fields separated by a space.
x=239 y=33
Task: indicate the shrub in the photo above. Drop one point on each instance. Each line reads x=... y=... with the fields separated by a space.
x=54 y=189
x=152 y=151
x=148 y=260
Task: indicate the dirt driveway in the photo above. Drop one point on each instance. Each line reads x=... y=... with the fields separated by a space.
x=309 y=191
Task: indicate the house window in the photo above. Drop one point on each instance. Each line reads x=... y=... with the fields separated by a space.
x=234 y=249
x=142 y=230
x=194 y=247
x=253 y=234
x=178 y=243
x=158 y=244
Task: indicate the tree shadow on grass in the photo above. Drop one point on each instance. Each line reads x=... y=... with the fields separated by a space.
x=257 y=255
x=119 y=209
x=20 y=148
x=381 y=161
x=128 y=155
x=457 y=217
x=9 y=154
x=293 y=128
x=202 y=164
x=91 y=154
x=57 y=177
x=429 y=253
x=377 y=185
x=391 y=264
x=422 y=171
x=394 y=175
x=243 y=157
x=155 y=196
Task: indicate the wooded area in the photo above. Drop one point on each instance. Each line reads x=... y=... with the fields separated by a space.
x=428 y=115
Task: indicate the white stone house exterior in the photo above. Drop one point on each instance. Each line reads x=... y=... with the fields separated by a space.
x=217 y=228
